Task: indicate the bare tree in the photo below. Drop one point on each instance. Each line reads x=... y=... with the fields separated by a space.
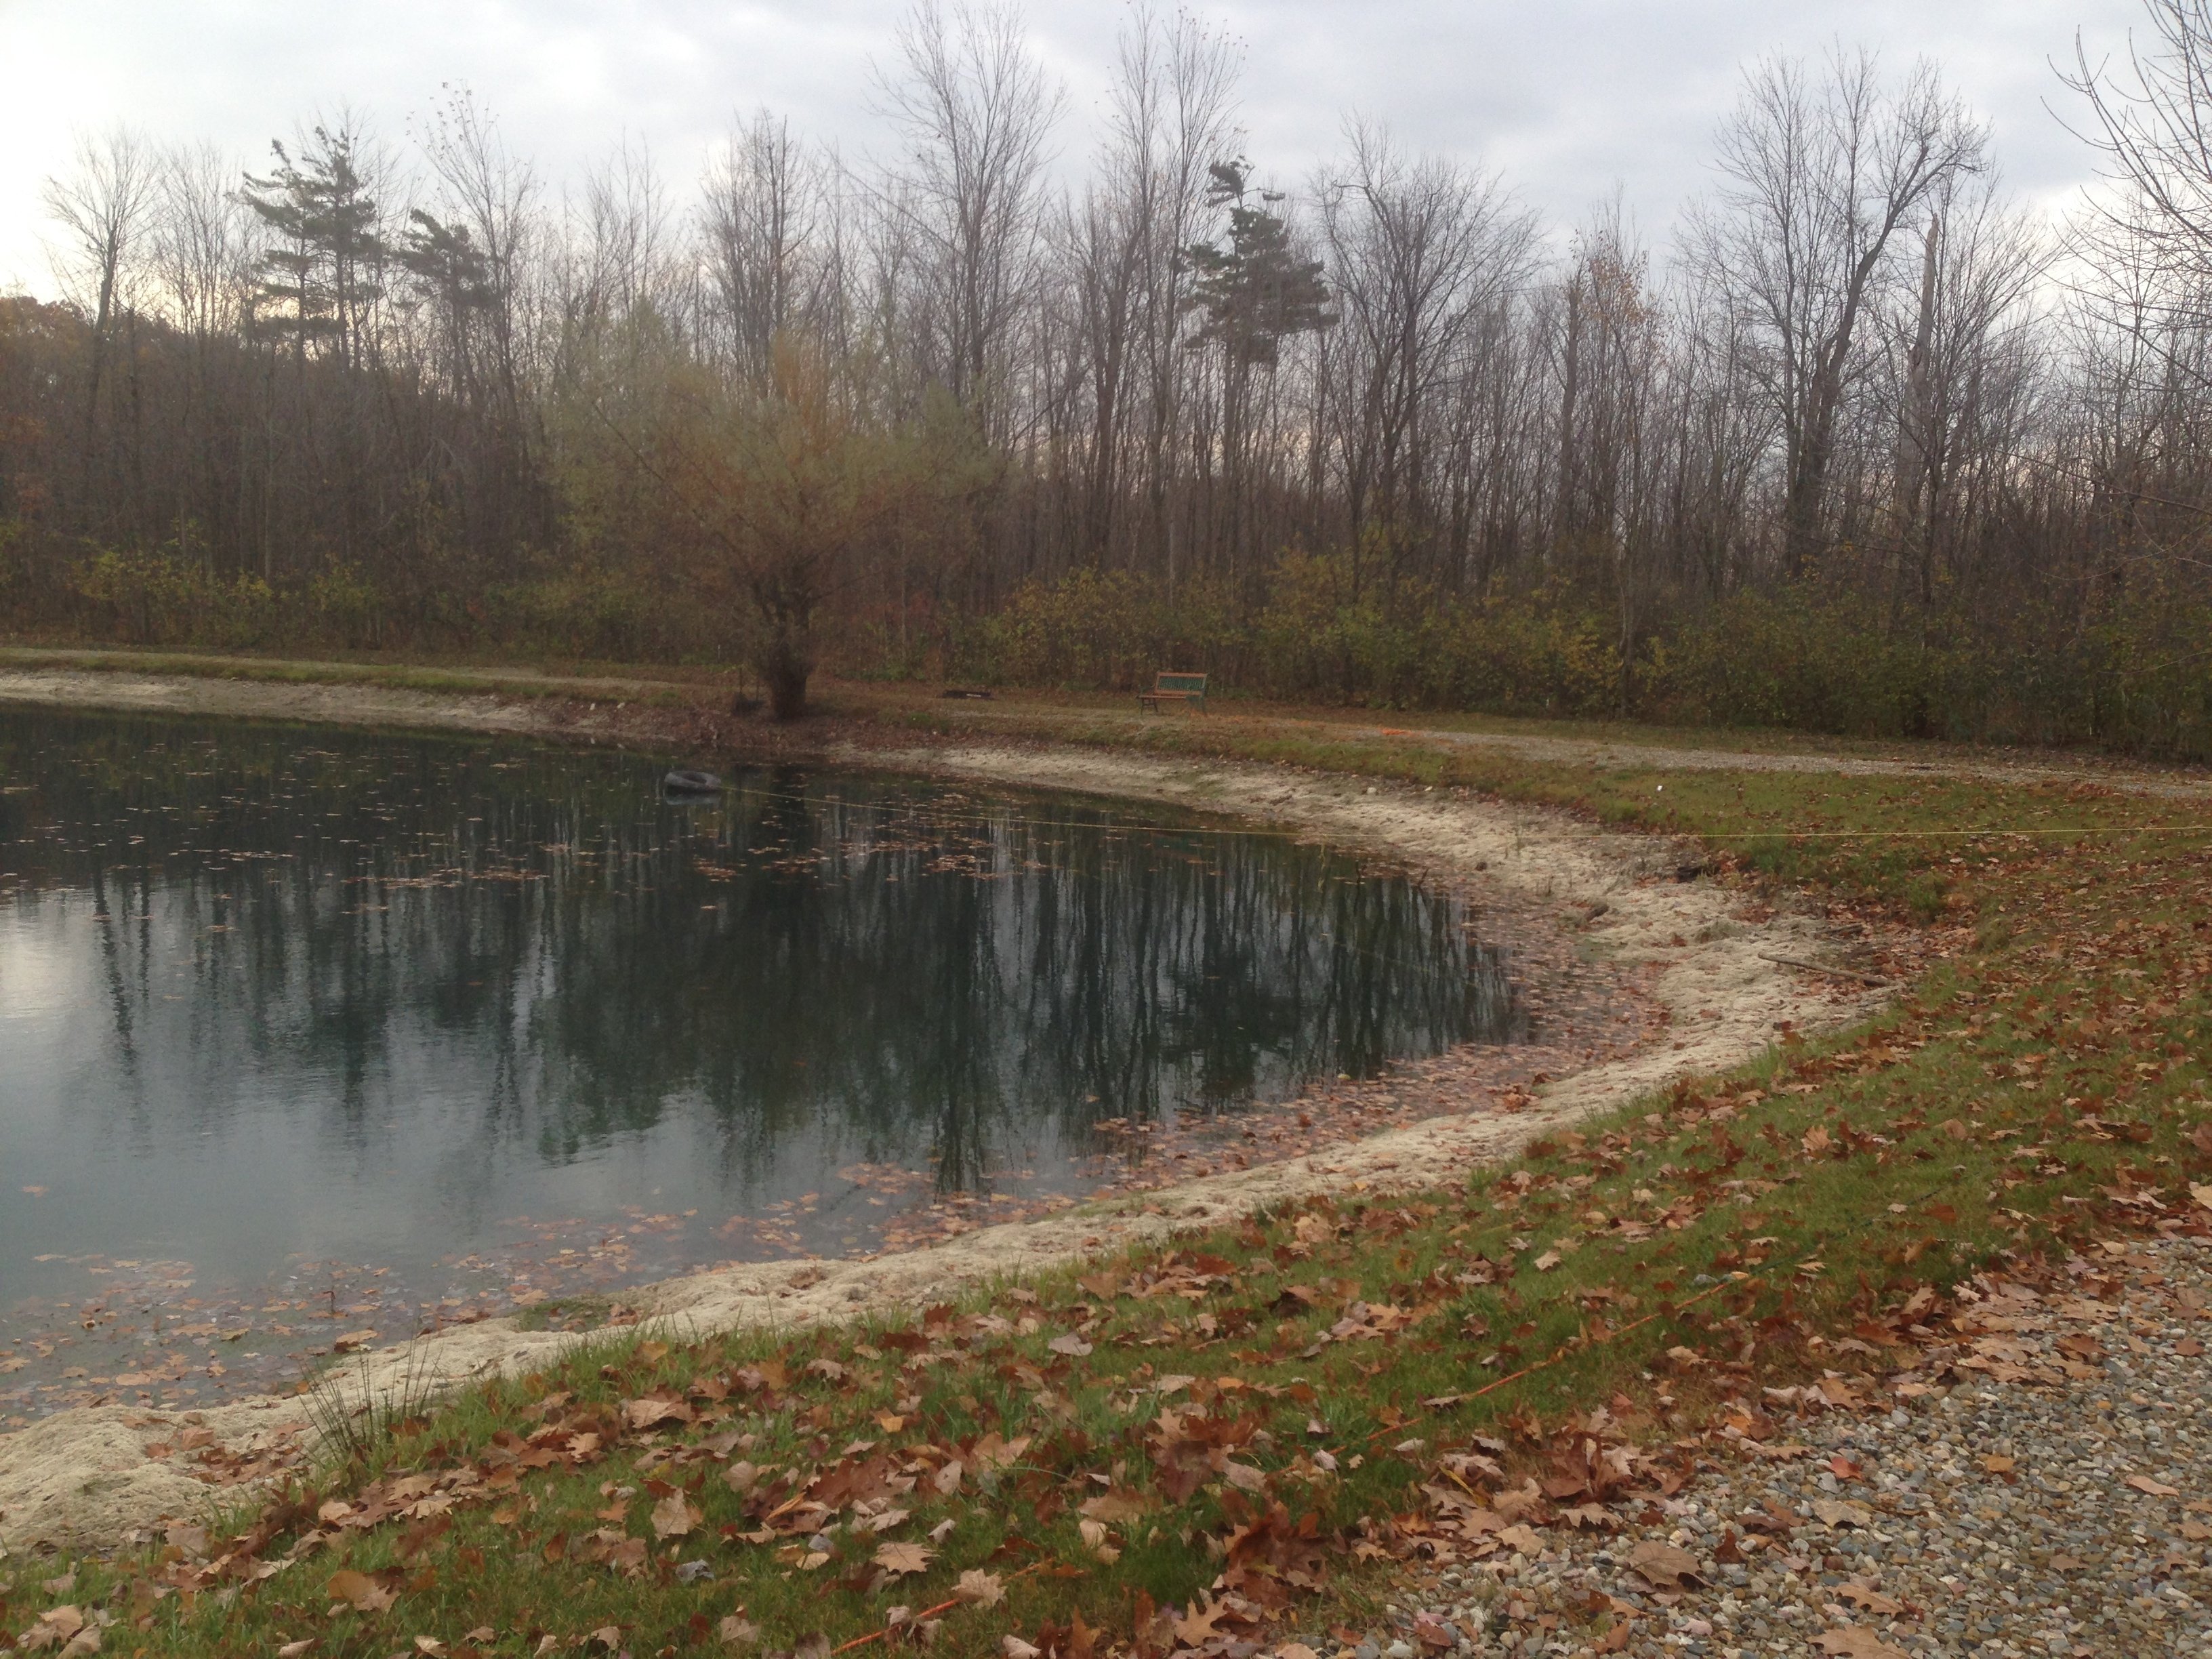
x=492 y=197
x=974 y=110
x=1822 y=176
x=1961 y=377
x=1421 y=252
x=1172 y=117
x=2151 y=122
x=202 y=243
x=104 y=210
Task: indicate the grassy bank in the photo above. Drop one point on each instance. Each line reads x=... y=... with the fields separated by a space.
x=1049 y=712
x=1232 y=1441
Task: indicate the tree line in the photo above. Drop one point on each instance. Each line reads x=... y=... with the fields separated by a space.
x=1867 y=446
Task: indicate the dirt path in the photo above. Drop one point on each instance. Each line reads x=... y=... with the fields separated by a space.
x=598 y=707
x=1608 y=754
x=86 y=1477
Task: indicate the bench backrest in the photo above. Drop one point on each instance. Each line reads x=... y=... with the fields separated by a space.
x=1193 y=683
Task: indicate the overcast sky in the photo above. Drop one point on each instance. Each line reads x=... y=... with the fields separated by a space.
x=1568 y=98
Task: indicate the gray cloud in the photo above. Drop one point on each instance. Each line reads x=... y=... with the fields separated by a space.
x=1567 y=98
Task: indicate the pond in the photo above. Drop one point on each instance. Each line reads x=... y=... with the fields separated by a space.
x=300 y=1025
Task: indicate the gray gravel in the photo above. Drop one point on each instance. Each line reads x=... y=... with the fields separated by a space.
x=1991 y=1512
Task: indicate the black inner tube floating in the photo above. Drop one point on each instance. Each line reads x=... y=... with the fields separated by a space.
x=686 y=781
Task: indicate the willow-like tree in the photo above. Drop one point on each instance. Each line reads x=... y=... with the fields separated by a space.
x=793 y=493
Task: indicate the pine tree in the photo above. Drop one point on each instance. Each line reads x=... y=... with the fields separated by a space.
x=1256 y=291
x=324 y=271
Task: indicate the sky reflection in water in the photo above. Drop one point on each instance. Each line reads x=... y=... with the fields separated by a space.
x=273 y=995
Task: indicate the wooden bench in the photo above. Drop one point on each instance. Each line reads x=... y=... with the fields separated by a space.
x=1174 y=688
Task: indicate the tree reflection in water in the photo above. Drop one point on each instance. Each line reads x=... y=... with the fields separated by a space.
x=341 y=975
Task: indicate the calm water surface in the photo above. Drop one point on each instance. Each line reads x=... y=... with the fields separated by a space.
x=274 y=997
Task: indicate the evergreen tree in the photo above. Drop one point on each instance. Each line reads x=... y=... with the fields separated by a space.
x=324 y=269
x=1256 y=291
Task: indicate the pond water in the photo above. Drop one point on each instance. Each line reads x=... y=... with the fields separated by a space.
x=294 y=1016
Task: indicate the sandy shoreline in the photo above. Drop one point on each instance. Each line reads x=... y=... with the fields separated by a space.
x=84 y=1477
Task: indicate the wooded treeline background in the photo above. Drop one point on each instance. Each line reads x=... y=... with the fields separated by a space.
x=1872 y=449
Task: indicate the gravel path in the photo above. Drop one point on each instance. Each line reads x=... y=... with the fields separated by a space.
x=2055 y=1499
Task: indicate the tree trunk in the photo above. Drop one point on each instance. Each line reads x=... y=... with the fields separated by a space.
x=785 y=669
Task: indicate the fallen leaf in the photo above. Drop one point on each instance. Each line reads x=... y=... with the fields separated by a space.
x=1069 y=1344
x=1244 y=1477
x=359 y=1591
x=984 y=1589
x=735 y=1628
x=1663 y=1565
x=1843 y=1513
x=1866 y=1596
x=1014 y=1647
x=674 y=1517
x=903 y=1557
x=1547 y=1261
x=293 y=1649
x=1119 y=1503
x=646 y=1413
x=1856 y=1642
x=993 y=1452
x=354 y=1342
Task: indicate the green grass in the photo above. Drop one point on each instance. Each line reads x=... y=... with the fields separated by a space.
x=670 y=684
x=2042 y=1078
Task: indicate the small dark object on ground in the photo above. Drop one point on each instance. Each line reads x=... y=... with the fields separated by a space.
x=1688 y=871
x=742 y=704
x=684 y=780
x=955 y=691
x=1173 y=688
